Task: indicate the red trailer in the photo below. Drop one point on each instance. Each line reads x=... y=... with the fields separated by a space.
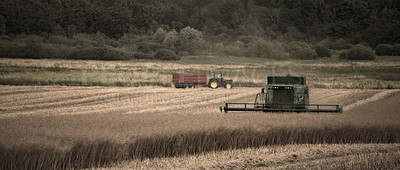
x=189 y=79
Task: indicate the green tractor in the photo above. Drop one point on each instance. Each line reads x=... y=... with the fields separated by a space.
x=218 y=81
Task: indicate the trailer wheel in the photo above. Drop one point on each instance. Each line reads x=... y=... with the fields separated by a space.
x=228 y=85
x=213 y=84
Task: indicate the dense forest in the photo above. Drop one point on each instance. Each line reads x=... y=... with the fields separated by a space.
x=172 y=28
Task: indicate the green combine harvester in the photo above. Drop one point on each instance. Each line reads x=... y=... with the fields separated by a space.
x=283 y=94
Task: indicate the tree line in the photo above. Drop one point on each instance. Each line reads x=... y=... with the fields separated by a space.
x=370 y=21
x=233 y=27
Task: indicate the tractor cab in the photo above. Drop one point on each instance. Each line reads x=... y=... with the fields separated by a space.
x=217 y=76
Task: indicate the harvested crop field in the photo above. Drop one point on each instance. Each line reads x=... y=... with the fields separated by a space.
x=57 y=114
x=59 y=117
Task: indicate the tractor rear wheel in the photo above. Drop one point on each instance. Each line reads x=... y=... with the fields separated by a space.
x=228 y=85
x=213 y=84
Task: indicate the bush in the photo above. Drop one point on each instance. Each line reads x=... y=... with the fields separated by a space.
x=304 y=54
x=171 y=39
x=387 y=49
x=166 y=54
x=343 y=54
x=8 y=50
x=383 y=49
x=340 y=44
x=33 y=39
x=183 y=53
x=322 y=51
x=34 y=51
x=159 y=35
x=97 y=53
x=60 y=40
x=32 y=48
x=301 y=50
x=191 y=40
x=140 y=55
x=267 y=49
x=217 y=49
x=296 y=45
x=358 y=52
x=149 y=47
x=236 y=48
x=396 y=49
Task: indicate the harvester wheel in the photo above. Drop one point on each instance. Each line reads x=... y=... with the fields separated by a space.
x=213 y=84
x=228 y=85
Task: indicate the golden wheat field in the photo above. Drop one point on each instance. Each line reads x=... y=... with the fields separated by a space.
x=59 y=116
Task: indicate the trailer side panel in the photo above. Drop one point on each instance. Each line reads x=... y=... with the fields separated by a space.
x=189 y=79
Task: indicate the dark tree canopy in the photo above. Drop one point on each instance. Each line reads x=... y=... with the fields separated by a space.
x=368 y=21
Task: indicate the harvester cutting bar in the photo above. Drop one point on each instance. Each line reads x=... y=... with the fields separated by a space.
x=281 y=107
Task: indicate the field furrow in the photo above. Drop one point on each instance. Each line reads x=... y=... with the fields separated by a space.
x=200 y=105
x=48 y=104
x=34 y=95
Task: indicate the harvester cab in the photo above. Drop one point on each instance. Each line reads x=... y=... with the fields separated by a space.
x=218 y=81
x=285 y=91
x=283 y=94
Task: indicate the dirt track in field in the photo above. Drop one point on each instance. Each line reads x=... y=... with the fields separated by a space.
x=57 y=100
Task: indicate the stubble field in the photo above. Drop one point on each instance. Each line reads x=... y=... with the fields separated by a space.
x=119 y=113
x=59 y=117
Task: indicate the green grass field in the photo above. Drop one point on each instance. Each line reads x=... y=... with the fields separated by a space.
x=245 y=72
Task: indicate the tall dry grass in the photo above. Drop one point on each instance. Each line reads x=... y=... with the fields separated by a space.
x=81 y=155
x=107 y=153
x=379 y=160
x=81 y=77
